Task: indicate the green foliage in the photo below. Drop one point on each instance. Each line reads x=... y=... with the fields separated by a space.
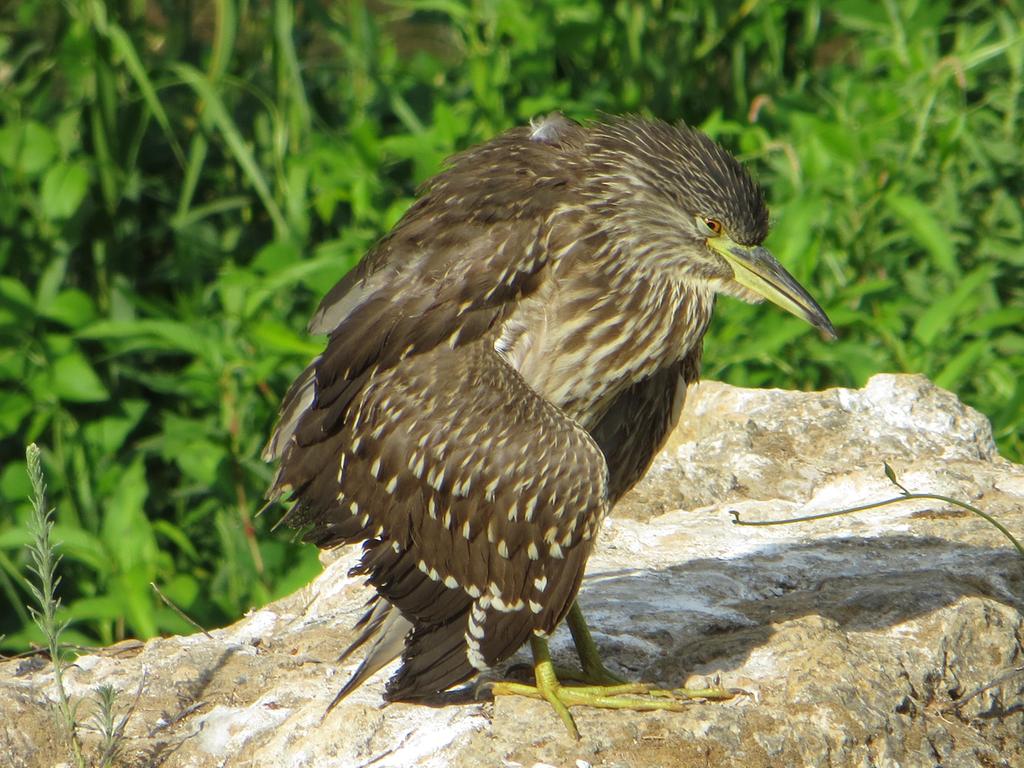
x=179 y=184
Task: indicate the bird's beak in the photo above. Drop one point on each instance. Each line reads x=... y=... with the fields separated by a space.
x=755 y=268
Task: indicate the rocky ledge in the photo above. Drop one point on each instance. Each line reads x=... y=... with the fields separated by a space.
x=892 y=637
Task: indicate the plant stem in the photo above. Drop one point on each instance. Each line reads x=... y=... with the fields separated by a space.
x=44 y=565
x=905 y=496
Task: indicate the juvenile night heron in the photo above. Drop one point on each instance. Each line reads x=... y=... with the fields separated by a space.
x=499 y=370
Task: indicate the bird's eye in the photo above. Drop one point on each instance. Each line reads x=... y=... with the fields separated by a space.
x=713 y=226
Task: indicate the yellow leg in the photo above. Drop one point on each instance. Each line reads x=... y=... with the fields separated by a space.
x=636 y=696
x=594 y=670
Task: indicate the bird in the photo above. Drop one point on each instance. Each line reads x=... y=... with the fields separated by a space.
x=500 y=368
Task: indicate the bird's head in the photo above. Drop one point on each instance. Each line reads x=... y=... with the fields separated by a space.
x=684 y=204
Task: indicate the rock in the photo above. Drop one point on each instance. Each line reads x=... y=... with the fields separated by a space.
x=892 y=637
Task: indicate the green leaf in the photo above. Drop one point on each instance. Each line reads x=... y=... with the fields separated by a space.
x=105 y=608
x=963 y=363
x=14 y=482
x=16 y=406
x=866 y=286
x=79 y=544
x=945 y=309
x=72 y=307
x=137 y=600
x=125 y=521
x=181 y=589
x=27 y=147
x=15 y=538
x=107 y=435
x=202 y=461
x=63 y=189
x=51 y=279
x=277 y=337
x=161 y=334
x=216 y=113
x=123 y=45
x=890 y=472
x=792 y=235
x=177 y=536
x=15 y=296
x=927 y=229
x=984 y=324
x=74 y=380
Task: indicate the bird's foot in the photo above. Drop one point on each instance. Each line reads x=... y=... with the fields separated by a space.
x=616 y=695
x=635 y=696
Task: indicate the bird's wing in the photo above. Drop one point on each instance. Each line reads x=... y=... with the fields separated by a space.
x=475 y=242
x=472 y=223
x=478 y=502
x=399 y=435
x=638 y=422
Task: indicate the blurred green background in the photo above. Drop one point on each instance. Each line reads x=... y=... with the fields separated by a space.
x=181 y=181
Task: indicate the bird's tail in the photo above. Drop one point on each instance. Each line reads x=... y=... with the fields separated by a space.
x=389 y=629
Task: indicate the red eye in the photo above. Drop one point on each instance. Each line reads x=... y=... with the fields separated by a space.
x=714 y=225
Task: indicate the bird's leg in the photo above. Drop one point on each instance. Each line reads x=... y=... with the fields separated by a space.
x=594 y=671
x=637 y=696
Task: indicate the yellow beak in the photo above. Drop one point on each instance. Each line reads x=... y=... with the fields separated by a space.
x=755 y=268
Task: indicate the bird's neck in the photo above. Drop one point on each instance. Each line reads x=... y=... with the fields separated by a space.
x=594 y=329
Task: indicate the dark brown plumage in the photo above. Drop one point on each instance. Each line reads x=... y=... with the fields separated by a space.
x=503 y=366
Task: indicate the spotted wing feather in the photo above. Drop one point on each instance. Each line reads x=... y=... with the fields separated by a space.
x=471 y=245
x=411 y=435
x=475 y=530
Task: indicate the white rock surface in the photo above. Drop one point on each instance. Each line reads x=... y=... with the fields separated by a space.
x=860 y=637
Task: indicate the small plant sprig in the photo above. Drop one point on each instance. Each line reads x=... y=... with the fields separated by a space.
x=109 y=726
x=45 y=560
x=905 y=495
